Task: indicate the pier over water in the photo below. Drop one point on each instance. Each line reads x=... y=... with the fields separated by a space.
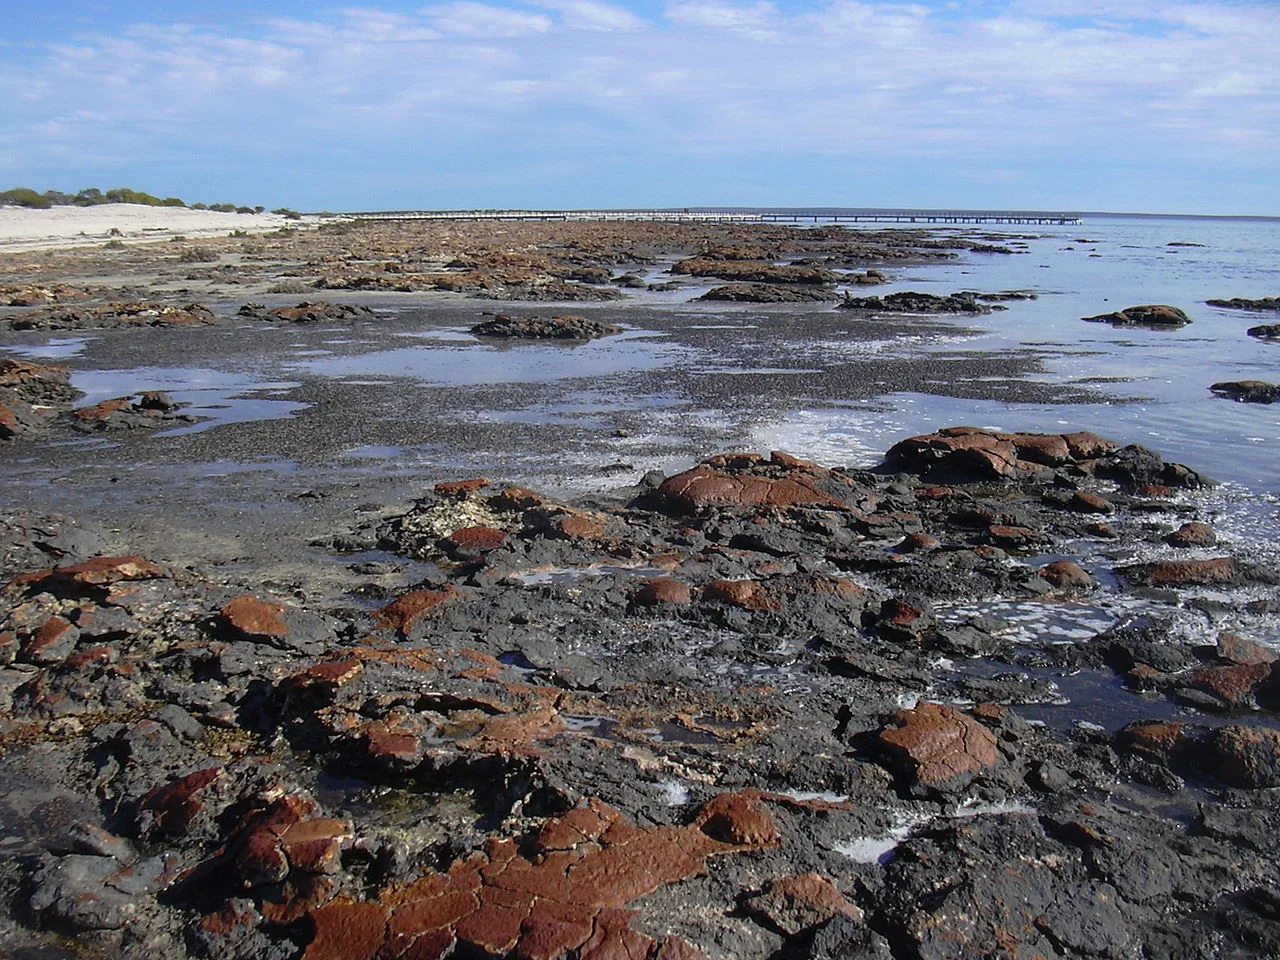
x=735 y=216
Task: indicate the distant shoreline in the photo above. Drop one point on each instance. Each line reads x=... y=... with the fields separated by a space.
x=24 y=229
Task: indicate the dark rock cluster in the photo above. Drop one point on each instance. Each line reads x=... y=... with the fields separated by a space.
x=1243 y=303
x=563 y=327
x=1247 y=391
x=911 y=302
x=1156 y=316
x=128 y=315
x=731 y=713
x=317 y=311
x=769 y=293
x=35 y=396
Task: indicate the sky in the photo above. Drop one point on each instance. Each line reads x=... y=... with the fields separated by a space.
x=1062 y=105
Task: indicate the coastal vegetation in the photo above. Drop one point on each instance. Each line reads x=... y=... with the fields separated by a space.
x=92 y=196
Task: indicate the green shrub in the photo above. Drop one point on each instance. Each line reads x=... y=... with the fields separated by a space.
x=113 y=245
x=24 y=197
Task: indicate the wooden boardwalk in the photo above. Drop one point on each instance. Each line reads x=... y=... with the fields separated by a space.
x=712 y=216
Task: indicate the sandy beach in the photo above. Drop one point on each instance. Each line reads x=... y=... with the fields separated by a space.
x=22 y=228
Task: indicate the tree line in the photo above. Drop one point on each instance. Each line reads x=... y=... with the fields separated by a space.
x=92 y=196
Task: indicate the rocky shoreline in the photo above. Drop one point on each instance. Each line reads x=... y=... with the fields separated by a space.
x=762 y=707
x=721 y=716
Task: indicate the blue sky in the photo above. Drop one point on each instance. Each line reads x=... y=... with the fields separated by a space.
x=1035 y=104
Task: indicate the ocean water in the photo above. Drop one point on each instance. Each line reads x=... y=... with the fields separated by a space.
x=1156 y=381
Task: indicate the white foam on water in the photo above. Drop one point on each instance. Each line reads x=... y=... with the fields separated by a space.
x=881 y=848
x=804 y=796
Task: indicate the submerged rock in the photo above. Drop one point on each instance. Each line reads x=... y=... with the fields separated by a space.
x=751 y=271
x=1158 y=316
x=1247 y=391
x=564 y=327
x=127 y=315
x=912 y=302
x=1242 y=303
x=769 y=293
x=318 y=311
x=152 y=408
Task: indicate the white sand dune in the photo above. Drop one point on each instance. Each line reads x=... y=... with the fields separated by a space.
x=26 y=229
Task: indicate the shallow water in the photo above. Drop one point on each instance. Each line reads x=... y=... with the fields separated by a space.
x=410 y=393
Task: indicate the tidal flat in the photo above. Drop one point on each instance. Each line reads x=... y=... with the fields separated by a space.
x=334 y=629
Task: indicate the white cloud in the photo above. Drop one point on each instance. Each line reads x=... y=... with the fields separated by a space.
x=756 y=21
x=480 y=20
x=853 y=79
x=590 y=15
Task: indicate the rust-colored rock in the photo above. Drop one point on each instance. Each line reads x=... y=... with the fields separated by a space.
x=918 y=543
x=475 y=541
x=175 y=805
x=1233 y=685
x=984 y=454
x=992 y=712
x=101 y=411
x=903 y=617
x=566 y=892
x=53 y=642
x=705 y=486
x=936 y=744
x=577 y=526
x=1066 y=575
x=1246 y=756
x=798 y=903
x=405 y=613
x=255 y=618
x=663 y=591
x=100 y=571
x=516 y=499
x=1156 y=738
x=1192 y=534
x=132 y=314
x=461 y=489
x=1186 y=573
x=1084 y=502
x=1088 y=446
x=1006 y=536
x=346 y=930
x=739 y=819
x=1146 y=315
x=745 y=594
x=314 y=845
x=36 y=382
x=1238 y=649
x=1051 y=449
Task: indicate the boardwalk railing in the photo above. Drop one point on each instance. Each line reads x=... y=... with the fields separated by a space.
x=712 y=216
